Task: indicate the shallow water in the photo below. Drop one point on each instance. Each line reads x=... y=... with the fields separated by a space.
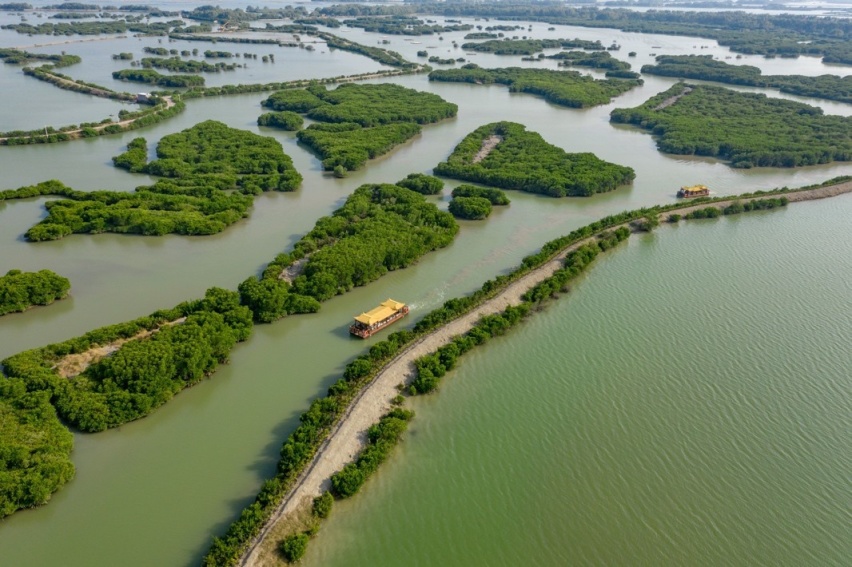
x=155 y=491
x=688 y=403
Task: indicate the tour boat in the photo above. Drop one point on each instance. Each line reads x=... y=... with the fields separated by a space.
x=374 y=320
x=693 y=191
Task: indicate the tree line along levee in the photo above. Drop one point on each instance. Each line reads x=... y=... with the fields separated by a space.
x=211 y=324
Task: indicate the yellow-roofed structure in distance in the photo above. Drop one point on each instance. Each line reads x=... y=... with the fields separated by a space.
x=378 y=318
x=693 y=191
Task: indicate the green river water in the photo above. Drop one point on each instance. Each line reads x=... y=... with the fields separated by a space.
x=688 y=404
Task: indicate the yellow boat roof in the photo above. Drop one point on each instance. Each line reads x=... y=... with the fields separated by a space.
x=380 y=313
x=694 y=187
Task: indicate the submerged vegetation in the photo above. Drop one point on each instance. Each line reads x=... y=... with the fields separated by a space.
x=749 y=130
x=21 y=290
x=522 y=160
x=704 y=67
x=566 y=88
x=200 y=167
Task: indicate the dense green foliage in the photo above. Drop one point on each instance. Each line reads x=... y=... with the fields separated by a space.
x=749 y=130
x=180 y=347
x=566 y=88
x=349 y=145
x=481 y=35
x=495 y=196
x=35 y=448
x=422 y=183
x=784 y=35
x=293 y=100
x=381 y=439
x=363 y=121
x=374 y=104
x=21 y=290
x=200 y=167
x=737 y=207
x=178 y=65
x=402 y=25
x=18 y=57
x=595 y=60
x=284 y=120
x=293 y=547
x=530 y=46
x=383 y=56
x=93 y=28
x=154 y=78
x=322 y=505
x=471 y=208
x=704 y=67
x=380 y=228
x=524 y=161
x=299 y=448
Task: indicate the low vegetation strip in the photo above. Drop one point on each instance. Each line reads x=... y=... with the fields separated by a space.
x=748 y=130
x=151 y=77
x=163 y=108
x=19 y=57
x=530 y=46
x=705 y=68
x=21 y=290
x=523 y=161
x=332 y=430
x=565 y=88
x=47 y=74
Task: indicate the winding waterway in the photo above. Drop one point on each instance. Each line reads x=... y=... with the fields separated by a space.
x=546 y=445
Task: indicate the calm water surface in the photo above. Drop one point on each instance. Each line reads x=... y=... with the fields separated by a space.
x=154 y=492
x=688 y=403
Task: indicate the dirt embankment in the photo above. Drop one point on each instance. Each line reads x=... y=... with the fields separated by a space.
x=488 y=144
x=673 y=99
x=348 y=437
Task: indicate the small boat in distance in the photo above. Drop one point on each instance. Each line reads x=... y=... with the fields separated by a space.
x=693 y=191
x=376 y=319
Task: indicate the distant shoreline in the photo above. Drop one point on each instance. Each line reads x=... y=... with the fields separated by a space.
x=347 y=437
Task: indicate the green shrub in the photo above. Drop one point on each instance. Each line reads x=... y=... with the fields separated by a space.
x=423 y=184
x=293 y=547
x=323 y=504
x=473 y=208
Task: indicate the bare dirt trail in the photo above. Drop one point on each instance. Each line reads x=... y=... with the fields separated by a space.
x=72 y=365
x=348 y=437
x=488 y=144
